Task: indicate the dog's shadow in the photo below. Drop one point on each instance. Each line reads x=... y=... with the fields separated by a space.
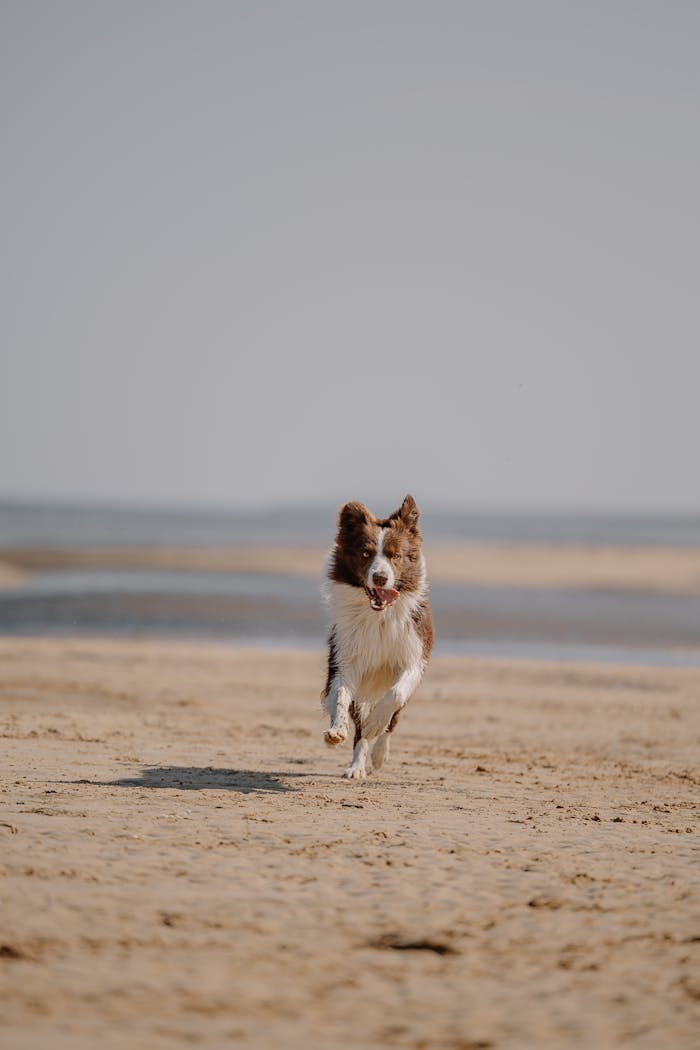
x=198 y=778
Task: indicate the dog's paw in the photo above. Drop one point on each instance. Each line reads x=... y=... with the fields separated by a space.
x=355 y=772
x=335 y=735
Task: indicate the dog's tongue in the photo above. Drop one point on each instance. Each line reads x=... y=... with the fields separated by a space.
x=387 y=594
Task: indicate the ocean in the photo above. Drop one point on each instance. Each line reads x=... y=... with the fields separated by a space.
x=25 y=524
x=520 y=622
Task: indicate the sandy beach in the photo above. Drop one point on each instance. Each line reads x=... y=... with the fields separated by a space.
x=183 y=865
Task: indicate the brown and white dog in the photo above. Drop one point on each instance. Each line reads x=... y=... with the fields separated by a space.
x=382 y=629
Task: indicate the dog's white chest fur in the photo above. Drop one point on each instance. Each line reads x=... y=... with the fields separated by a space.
x=372 y=647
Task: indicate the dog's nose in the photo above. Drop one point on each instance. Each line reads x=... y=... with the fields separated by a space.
x=379 y=578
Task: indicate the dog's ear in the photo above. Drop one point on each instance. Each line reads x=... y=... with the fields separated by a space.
x=409 y=514
x=352 y=515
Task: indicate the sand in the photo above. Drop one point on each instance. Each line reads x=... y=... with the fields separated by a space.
x=188 y=868
x=656 y=569
x=11 y=576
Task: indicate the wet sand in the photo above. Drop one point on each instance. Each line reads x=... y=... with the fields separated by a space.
x=11 y=576
x=183 y=865
x=671 y=570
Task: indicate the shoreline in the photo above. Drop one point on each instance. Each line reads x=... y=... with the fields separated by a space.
x=472 y=620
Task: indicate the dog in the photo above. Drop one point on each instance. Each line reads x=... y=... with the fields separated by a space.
x=382 y=629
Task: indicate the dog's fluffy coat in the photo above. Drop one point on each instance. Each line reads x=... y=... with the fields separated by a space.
x=382 y=631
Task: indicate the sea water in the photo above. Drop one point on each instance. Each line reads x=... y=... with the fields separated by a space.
x=525 y=622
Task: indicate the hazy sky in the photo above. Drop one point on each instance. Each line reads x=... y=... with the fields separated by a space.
x=260 y=252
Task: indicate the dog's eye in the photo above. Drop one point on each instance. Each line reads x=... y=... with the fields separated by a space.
x=366 y=554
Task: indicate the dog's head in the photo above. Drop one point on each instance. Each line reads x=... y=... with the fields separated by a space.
x=380 y=555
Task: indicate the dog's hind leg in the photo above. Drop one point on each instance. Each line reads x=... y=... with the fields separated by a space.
x=380 y=751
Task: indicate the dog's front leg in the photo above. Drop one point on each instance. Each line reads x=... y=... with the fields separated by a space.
x=357 y=768
x=397 y=697
x=338 y=706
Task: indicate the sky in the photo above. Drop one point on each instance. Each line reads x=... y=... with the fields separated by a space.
x=263 y=253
